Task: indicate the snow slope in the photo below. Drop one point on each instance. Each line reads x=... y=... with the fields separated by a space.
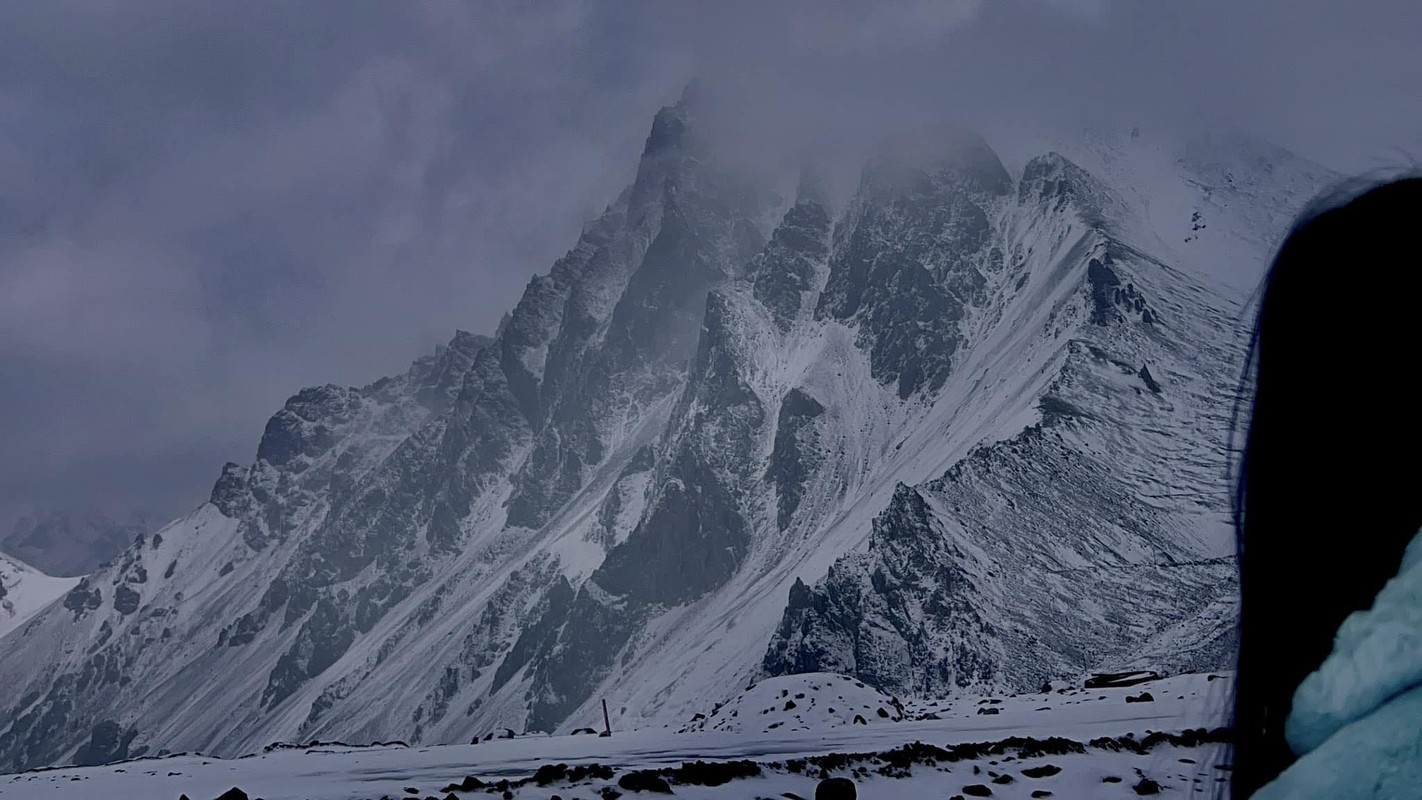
x=1093 y=749
x=25 y=590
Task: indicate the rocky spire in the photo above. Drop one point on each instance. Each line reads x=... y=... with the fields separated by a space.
x=785 y=270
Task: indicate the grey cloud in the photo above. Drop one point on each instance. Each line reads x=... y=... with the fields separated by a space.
x=204 y=207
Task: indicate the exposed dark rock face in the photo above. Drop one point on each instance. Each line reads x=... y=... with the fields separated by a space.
x=704 y=236
x=840 y=626
x=910 y=256
x=1148 y=379
x=797 y=452
x=108 y=742
x=231 y=494
x=83 y=598
x=1112 y=299
x=323 y=638
x=784 y=273
x=1054 y=181
x=540 y=636
x=691 y=538
x=126 y=600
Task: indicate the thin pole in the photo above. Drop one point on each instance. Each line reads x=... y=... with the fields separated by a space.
x=606 y=725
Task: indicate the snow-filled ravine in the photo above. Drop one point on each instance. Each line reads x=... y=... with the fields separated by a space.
x=1120 y=741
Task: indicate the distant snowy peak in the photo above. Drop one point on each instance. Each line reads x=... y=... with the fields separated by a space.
x=73 y=542
x=24 y=591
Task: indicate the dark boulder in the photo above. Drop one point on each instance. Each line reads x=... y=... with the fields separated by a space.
x=644 y=780
x=1149 y=379
x=713 y=773
x=126 y=600
x=469 y=784
x=1044 y=771
x=836 y=789
x=1146 y=787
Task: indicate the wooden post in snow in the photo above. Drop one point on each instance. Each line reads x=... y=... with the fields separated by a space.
x=606 y=725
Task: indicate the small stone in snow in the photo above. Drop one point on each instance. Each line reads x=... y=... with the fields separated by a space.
x=1147 y=786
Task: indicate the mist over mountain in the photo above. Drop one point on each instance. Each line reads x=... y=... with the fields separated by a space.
x=70 y=544
x=959 y=423
x=203 y=207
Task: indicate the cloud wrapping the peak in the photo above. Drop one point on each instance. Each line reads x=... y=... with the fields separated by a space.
x=204 y=207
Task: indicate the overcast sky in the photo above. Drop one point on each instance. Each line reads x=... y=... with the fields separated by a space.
x=206 y=206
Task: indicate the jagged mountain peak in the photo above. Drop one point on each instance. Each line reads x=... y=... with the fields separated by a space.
x=673 y=125
x=913 y=251
x=1053 y=178
x=675 y=147
x=791 y=267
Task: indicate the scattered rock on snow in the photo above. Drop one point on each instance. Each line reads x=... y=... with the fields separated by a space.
x=1044 y=771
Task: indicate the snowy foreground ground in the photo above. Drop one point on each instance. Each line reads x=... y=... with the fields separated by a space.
x=788 y=733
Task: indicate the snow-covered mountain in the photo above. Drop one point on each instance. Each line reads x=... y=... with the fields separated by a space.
x=968 y=430
x=73 y=543
x=25 y=590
